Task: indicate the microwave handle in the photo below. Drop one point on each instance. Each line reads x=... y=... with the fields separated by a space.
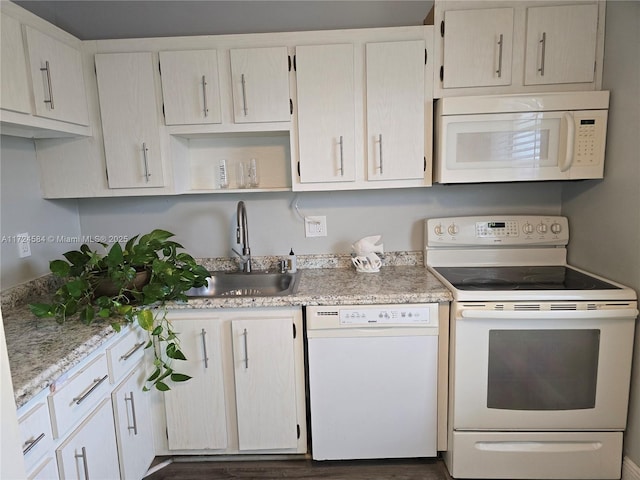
x=571 y=138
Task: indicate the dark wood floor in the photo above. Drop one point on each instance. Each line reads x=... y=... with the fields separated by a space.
x=405 y=469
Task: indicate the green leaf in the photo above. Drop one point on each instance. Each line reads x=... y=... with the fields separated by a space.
x=76 y=288
x=163 y=387
x=115 y=256
x=145 y=319
x=104 y=313
x=157 y=331
x=179 y=377
x=87 y=314
x=174 y=352
x=76 y=258
x=117 y=326
x=154 y=375
x=41 y=309
x=59 y=268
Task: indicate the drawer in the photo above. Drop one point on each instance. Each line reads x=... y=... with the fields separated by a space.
x=71 y=401
x=35 y=434
x=125 y=354
x=47 y=470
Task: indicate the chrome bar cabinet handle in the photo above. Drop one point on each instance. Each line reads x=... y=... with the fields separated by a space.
x=49 y=85
x=380 y=149
x=135 y=348
x=204 y=348
x=500 y=45
x=204 y=96
x=341 y=156
x=85 y=465
x=133 y=413
x=96 y=384
x=543 y=44
x=29 y=444
x=244 y=95
x=246 y=349
x=145 y=152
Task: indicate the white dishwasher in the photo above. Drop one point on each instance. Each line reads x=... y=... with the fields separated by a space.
x=373 y=373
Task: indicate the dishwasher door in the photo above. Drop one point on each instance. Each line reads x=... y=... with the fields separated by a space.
x=373 y=381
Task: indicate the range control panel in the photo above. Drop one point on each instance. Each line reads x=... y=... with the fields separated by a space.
x=497 y=230
x=384 y=315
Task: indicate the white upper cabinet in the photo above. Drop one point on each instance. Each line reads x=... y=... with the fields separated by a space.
x=326 y=113
x=561 y=44
x=57 y=76
x=14 y=82
x=260 y=84
x=130 y=120
x=395 y=110
x=501 y=46
x=190 y=87
x=477 y=47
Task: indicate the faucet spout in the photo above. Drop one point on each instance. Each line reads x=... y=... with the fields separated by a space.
x=242 y=236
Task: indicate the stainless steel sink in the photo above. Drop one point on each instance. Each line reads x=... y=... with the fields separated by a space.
x=254 y=284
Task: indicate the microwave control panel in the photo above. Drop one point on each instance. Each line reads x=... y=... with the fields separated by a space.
x=589 y=137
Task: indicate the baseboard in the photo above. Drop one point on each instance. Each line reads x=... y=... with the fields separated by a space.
x=630 y=471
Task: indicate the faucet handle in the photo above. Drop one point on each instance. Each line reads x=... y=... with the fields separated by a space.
x=282 y=266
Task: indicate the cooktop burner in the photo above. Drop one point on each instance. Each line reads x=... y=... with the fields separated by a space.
x=521 y=278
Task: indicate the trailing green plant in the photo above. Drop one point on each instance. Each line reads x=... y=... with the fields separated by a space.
x=105 y=286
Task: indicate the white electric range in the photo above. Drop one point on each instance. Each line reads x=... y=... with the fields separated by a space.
x=540 y=353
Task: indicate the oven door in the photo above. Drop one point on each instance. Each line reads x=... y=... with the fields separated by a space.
x=539 y=370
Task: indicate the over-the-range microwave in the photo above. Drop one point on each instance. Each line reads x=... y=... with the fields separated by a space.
x=507 y=138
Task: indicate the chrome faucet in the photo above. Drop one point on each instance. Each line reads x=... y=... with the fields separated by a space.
x=242 y=237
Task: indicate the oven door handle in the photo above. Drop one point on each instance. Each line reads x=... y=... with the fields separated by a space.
x=560 y=314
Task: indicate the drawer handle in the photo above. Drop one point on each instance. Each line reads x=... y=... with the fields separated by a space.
x=31 y=443
x=204 y=348
x=135 y=348
x=204 y=96
x=85 y=465
x=543 y=46
x=500 y=44
x=96 y=384
x=133 y=414
x=145 y=157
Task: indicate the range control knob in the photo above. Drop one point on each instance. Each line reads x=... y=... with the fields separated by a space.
x=438 y=229
x=528 y=228
x=453 y=229
x=556 y=228
x=541 y=228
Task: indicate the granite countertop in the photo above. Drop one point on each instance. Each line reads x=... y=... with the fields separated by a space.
x=40 y=350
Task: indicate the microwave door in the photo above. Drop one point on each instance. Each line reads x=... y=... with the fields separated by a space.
x=504 y=147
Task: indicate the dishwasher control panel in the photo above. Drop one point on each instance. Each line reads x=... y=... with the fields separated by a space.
x=384 y=315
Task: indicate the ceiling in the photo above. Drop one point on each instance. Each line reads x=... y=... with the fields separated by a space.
x=102 y=19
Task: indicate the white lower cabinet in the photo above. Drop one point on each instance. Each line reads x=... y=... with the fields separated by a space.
x=90 y=451
x=132 y=418
x=247 y=393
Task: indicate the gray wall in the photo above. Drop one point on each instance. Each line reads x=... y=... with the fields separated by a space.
x=607 y=212
x=24 y=210
x=205 y=224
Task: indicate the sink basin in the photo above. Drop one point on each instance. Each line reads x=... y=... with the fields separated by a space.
x=254 y=284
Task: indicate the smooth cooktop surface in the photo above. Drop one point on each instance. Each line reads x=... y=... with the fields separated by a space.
x=521 y=278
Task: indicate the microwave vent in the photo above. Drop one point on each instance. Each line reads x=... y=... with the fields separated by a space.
x=564 y=306
x=527 y=307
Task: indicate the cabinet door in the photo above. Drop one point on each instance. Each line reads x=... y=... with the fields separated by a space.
x=90 y=451
x=265 y=383
x=14 y=81
x=260 y=81
x=561 y=44
x=478 y=47
x=130 y=123
x=195 y=410
x=134 y=431
x=326 y=113
x=190 y=87
x=58 y=82
x=395 y=110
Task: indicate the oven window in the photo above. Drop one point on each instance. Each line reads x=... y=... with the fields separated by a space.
x=542 y=369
